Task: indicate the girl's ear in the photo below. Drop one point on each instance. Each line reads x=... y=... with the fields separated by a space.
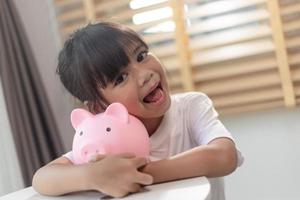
x=118 y=111
x=78 y=115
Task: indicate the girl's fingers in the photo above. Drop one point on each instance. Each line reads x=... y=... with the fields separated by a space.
x=96 y=157
x=143 y=179
x=126 y=155
x=135 y=188
x=139 y=161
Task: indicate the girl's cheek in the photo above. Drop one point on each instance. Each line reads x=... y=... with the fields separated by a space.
x=132 y=103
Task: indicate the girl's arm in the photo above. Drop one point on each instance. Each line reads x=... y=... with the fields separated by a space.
x=218 y=158
x=112 y=175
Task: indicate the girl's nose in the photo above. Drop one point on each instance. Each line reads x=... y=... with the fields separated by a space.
x=144 y=77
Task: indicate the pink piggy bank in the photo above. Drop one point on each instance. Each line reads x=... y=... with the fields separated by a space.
x=112 y=132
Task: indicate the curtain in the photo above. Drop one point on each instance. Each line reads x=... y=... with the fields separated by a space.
x=33 y=127
x=10 y=172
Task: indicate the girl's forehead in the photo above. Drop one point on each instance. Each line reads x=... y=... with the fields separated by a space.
x=134 y=48
x=137 y=48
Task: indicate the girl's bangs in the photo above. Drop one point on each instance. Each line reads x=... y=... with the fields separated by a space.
x=111 y=55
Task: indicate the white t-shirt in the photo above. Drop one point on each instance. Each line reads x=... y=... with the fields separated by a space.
x=191 y=121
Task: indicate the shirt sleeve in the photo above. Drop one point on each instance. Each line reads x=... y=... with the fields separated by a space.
x=204 y=122
x=69 y=156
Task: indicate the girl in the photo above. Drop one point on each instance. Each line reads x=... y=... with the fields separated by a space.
x=104 y=63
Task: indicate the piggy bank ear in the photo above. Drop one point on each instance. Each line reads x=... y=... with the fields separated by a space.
x=118 y=111
x=78 y=115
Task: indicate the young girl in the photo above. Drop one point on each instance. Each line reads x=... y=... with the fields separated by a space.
x=104 y=63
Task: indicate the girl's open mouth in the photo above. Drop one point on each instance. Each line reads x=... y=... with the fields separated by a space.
x=155 y=96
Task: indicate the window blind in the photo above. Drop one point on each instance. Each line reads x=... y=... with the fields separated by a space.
x=244 y=54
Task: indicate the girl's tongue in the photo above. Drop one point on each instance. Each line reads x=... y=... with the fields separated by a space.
x=154 y=96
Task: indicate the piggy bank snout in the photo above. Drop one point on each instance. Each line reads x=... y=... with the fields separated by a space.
x=91 y=148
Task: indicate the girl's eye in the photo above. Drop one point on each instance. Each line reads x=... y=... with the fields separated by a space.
x=141 y=56
x=121 y=78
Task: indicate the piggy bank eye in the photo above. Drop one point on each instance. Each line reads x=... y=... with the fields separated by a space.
x=81 y=133
x=108 y=129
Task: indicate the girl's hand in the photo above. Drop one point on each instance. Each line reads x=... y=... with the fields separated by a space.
x=117 y=175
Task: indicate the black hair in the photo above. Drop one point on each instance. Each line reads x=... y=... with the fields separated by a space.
x=94 y=56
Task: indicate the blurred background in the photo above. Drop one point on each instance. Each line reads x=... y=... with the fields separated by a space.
x=244 y=54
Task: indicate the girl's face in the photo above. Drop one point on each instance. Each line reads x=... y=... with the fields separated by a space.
x=142 y=86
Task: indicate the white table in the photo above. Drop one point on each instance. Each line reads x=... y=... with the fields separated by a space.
x=191 y=189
